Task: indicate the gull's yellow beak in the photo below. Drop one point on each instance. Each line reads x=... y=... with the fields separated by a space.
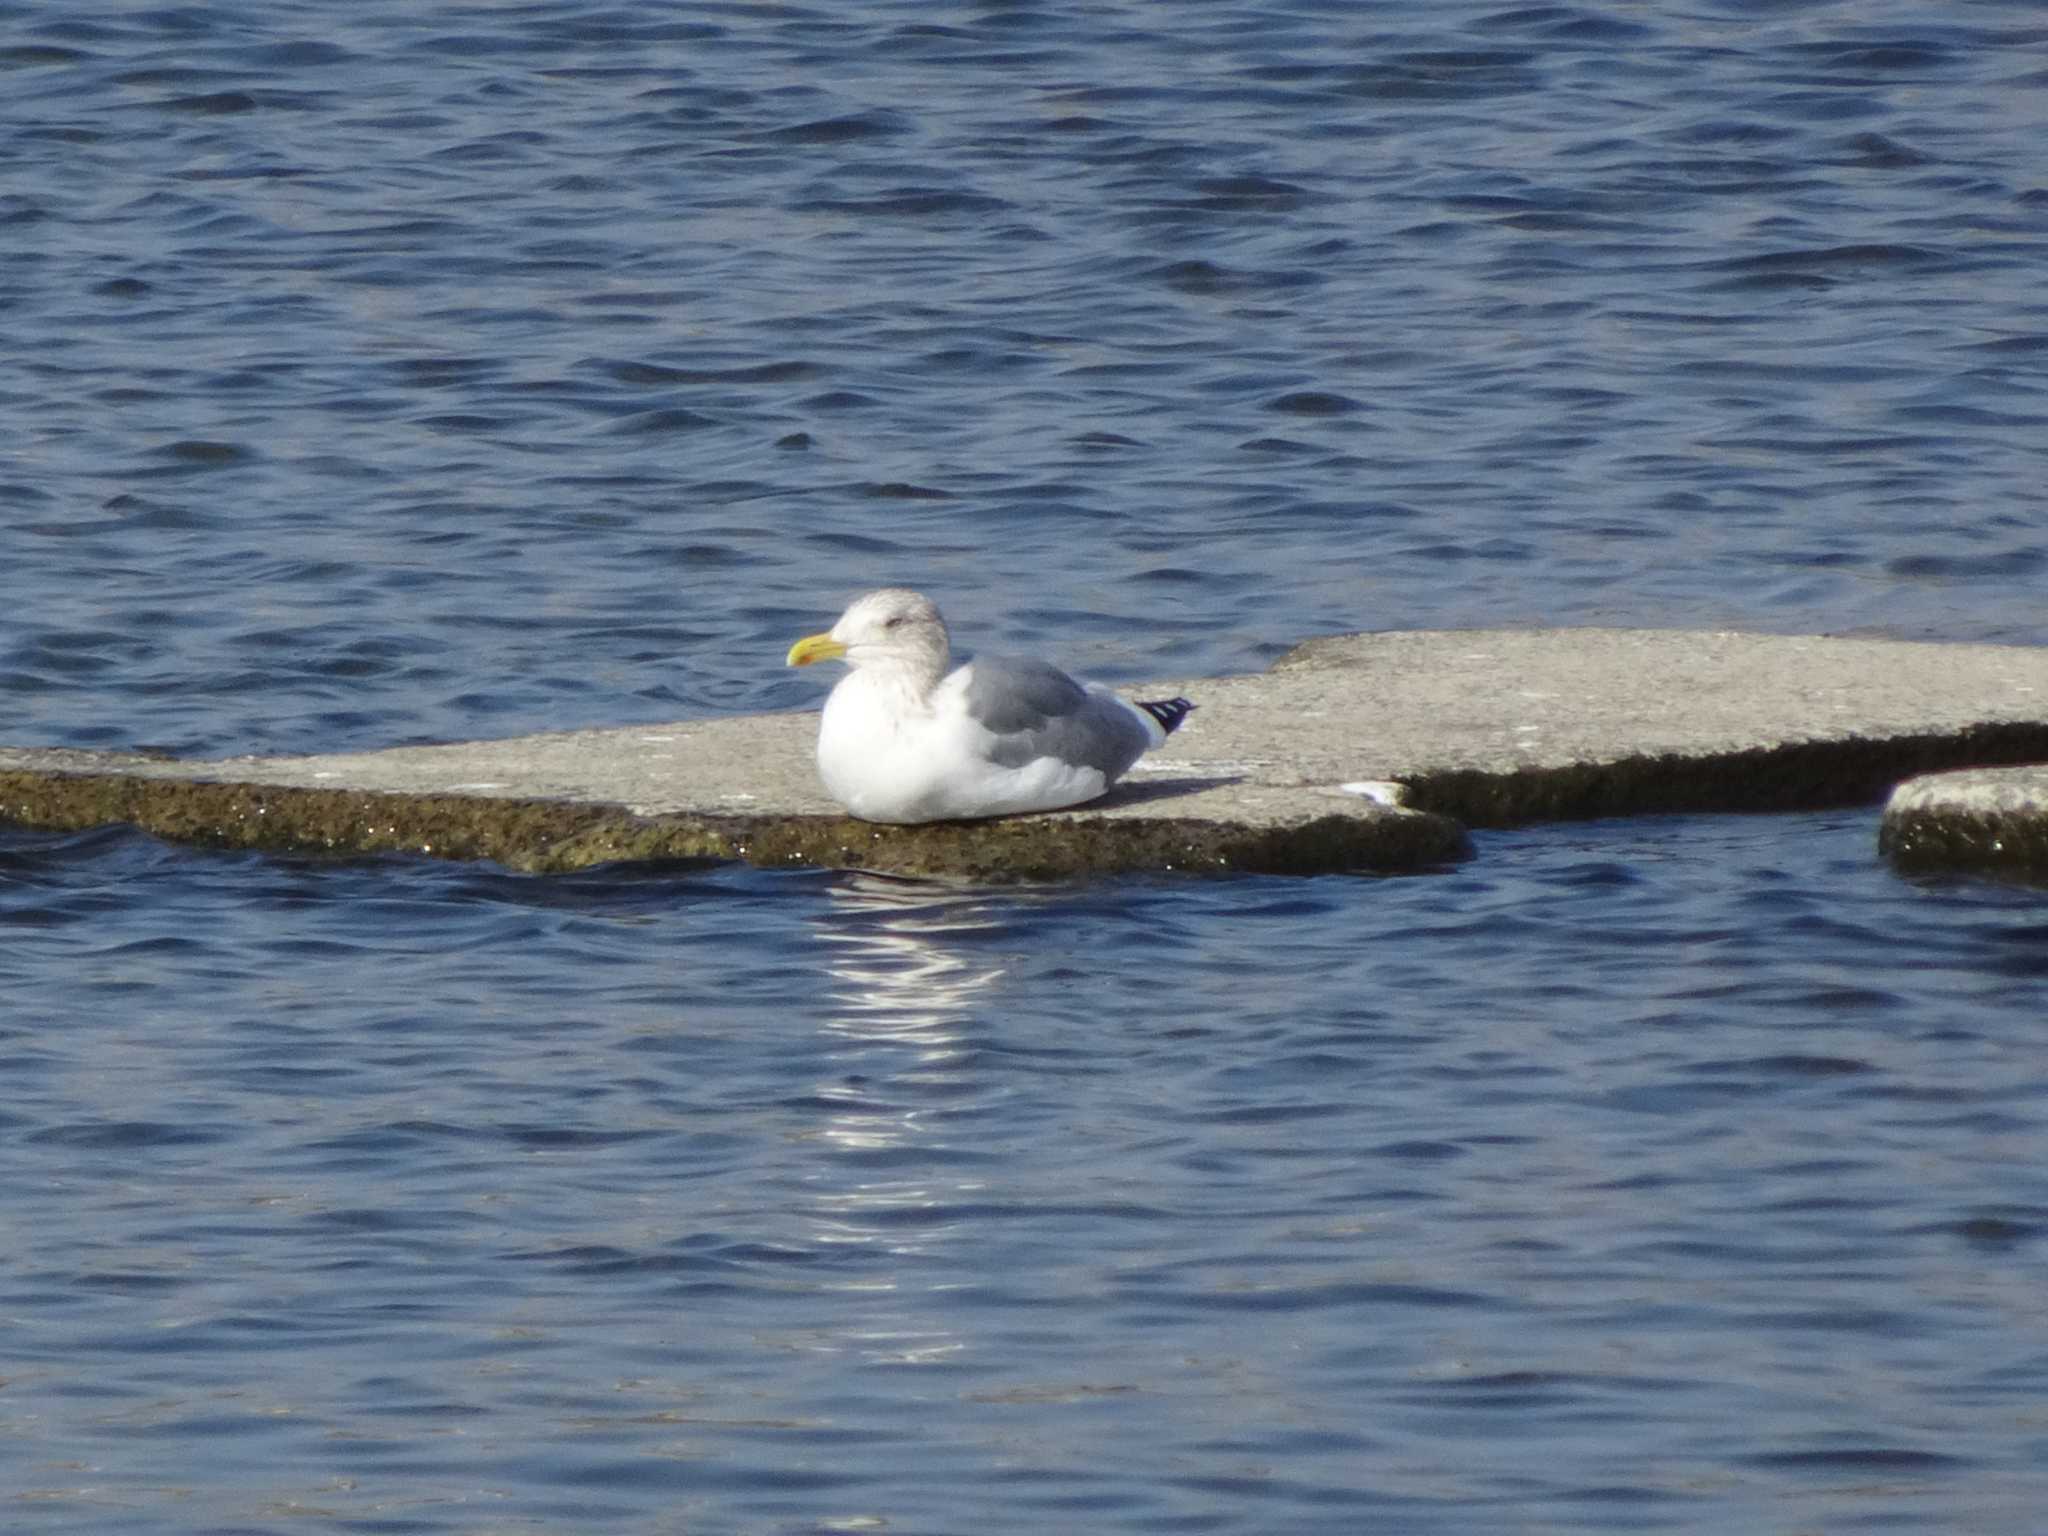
x=815 y=648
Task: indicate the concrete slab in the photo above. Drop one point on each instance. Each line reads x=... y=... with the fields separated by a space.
x=1991 y=820
x=1274 y=773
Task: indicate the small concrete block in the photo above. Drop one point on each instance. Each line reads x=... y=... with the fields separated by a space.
x=1990 y=819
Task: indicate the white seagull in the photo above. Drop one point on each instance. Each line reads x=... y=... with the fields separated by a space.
x=904 y=739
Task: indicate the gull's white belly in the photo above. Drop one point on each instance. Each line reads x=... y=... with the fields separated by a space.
x=886 y=763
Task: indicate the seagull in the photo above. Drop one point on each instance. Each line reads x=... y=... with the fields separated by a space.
x=905 y=739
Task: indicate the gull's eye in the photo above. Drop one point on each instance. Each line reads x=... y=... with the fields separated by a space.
x=892 y=621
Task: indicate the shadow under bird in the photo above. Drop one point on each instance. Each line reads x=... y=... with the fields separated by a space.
x=907 y=737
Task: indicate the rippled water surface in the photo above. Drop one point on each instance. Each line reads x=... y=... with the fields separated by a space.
x=386 y=372
x=1658 y=1176
x=413 y=371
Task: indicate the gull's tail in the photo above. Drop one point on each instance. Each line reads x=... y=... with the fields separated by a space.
x=1168 y=712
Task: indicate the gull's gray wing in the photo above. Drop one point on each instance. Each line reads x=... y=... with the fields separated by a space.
x=1035 y=710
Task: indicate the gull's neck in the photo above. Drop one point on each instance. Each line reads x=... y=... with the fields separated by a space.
x=912 y=676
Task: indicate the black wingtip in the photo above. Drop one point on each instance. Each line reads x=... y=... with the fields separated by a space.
x=1168 y=712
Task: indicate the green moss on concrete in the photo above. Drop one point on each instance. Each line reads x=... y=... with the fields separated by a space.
x=1794 y=777
x=1936 y=839
x=533 y=835
x=543 y=836
x=1059 y=847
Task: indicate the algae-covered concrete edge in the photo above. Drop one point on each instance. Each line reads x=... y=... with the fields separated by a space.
x=1788 y=776
x=539 y=835
x=1980 y=820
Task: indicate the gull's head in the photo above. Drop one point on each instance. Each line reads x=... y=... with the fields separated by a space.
x=892 y=627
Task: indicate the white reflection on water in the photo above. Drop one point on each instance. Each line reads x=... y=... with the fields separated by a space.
x=898 y=977
x=907 y=971
x=903 y=985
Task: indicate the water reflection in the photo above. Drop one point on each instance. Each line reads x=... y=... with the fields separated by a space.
x=909 y=972
x=903 y=967
x=905 y=975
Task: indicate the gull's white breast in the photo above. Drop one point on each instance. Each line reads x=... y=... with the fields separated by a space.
x=888 y=755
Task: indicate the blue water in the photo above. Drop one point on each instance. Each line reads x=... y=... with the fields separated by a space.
x=384 y=373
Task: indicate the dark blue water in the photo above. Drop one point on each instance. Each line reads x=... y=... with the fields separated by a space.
x=383 y=373
x=1660 y=1176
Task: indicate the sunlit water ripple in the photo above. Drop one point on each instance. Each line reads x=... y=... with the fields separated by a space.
x=383 y=373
